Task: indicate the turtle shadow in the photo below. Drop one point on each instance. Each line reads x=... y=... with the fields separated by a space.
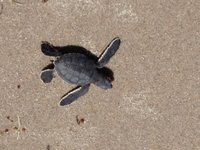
x=78 y=49
x=49 y=66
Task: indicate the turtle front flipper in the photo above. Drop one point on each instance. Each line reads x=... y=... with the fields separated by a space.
x=110 y=50
x=47 y=75
x=74 y=94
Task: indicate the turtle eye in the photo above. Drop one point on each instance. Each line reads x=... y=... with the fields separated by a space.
x=110 y=79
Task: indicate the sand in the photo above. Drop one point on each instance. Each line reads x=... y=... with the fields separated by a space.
x=155 y=100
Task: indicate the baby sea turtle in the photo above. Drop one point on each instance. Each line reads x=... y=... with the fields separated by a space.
x=79 y=69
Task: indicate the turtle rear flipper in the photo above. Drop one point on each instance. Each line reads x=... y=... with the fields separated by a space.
x=110 y=50
x=49 y=49
x=47 y=75
x=74 y=95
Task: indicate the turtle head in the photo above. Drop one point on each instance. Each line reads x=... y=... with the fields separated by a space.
x=104 y=78
x=104 y=82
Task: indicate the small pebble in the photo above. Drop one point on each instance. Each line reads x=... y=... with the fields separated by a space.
x=44 y=1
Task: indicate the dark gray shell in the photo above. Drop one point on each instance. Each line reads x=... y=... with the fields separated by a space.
x=75 y=68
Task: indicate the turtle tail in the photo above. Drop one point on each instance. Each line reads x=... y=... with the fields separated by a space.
x=49 y=50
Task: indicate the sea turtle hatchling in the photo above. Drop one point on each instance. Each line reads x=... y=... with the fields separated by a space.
x=78 y=69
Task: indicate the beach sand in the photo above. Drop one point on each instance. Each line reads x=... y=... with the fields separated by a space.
x=155 y=100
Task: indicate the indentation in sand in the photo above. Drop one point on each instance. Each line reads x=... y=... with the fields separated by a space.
x=137 y=104
x=125 y=12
